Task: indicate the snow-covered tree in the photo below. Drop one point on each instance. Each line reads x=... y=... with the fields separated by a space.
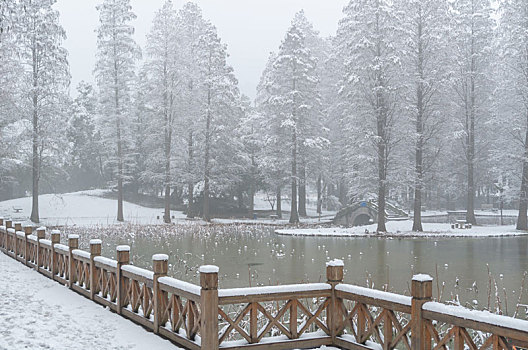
x=45 y=82
x=471 y=40
x=84 y=163
x=164 y=78
x=293 y=100
x=117 y=53
x=513 y=36
x=425 y=27
x=368 y=38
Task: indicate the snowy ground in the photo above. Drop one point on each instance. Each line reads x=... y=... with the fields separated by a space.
x=403 y=229
x=89 y=208
x=37 y=313
x=82 y=208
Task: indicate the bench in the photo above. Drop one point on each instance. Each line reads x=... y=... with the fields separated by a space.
x=274 y=217
x=17 y=209
x=461 y=224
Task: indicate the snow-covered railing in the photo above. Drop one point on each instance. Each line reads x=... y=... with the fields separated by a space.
x=272 y=317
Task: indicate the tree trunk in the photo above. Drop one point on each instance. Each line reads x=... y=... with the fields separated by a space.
x=319 y=194
x=302 y=190
x=470 y=214
x=206 y=214
x=279 y=203
x=381 y=188
x=252 y=187
x=35 y=160
x=418 y=181
x=190 y=184
x=522 y=219
x=168 y=141
x=294 y=215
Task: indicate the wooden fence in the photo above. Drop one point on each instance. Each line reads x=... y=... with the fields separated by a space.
x=276 y=317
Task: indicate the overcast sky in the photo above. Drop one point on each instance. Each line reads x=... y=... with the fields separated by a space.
x=250 y=28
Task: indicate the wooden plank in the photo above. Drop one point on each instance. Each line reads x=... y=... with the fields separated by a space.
x=350 y=345
x=283 y=344
x=105 y=302
x=385 y=304
x=243 y=299
x=138 y=278
x=45 y=272
x=178 y=339
x=478 y=326
x=145 y=322
x=80 y=290
x=179 y=292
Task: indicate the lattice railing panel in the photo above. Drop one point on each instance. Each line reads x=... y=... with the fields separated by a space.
x=254 y=321
x=138 y=296
x=180 y=313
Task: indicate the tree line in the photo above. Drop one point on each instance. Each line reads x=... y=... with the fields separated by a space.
x=420 y=102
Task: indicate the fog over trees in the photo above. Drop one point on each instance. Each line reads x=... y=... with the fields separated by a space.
x=415 y=103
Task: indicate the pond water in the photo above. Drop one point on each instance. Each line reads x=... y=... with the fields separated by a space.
x=255 y=255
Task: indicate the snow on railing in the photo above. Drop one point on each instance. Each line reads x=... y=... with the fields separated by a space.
x=282 y=317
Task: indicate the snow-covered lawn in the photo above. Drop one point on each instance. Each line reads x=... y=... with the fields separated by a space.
x=82 y=208
x=89 y=208
x=403 y=229
x=38 y=313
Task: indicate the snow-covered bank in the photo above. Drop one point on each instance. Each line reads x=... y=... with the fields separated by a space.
x=403 y=229
x=38 y=313
x=82 y=209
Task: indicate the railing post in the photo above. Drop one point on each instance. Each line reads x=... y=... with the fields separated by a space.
x=422 y=292
x=8 y=225
x=18 y=227
x=209 y=306
x=160 y=263
x=41 y=234
x=3 y=233
x=95 y=250
x=334 y=276
x=55 y=239
x=73 y=243
x=123 y=258
x=28 y=230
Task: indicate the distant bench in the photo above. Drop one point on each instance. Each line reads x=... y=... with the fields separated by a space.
x=17 y=209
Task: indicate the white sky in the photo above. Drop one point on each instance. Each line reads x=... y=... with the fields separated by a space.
x=250 y=28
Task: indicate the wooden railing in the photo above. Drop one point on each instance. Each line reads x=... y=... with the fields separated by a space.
x=275 y=317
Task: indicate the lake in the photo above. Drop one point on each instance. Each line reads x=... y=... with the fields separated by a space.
x=255 y=255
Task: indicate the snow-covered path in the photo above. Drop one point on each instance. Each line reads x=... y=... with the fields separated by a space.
x=38 y=313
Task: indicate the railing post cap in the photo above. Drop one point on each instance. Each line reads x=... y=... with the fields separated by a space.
x=18 y=226
x=334 y=270
x=123 y=254
x=95 y=247
x=209 y=277
x=9 y=223
x=422 y=286
x=422 y=277
x=209 y=269
x=73 y=236
x=160 y=257
x=160 y=264
x=28 y=229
